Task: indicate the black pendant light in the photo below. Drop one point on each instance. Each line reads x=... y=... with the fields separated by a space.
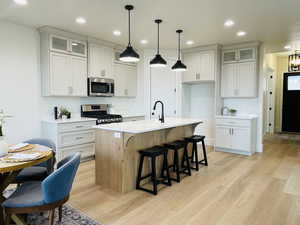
x=158 y=60
x=179 y=66
x=129 y=55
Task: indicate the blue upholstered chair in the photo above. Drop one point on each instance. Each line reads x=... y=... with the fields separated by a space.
x=41 y=171
x=47 y=195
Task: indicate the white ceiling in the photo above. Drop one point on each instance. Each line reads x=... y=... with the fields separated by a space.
x=201 y=20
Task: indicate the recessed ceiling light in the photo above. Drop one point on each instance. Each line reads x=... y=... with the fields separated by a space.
x=190 y=42
x=117 y=33
x=21 y=2
x=74 y=44
x=288 y=47
x=229 y=23
x=144 y=42
x=80 y=20
x=241 y=33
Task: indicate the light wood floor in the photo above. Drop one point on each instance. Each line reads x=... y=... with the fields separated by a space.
x=234 y=190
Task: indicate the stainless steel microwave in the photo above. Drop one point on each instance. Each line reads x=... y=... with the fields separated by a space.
x=101 y=87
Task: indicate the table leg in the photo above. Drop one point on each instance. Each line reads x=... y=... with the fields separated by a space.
x=5 y=180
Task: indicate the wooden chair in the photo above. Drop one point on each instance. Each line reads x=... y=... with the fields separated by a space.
x=48 y=195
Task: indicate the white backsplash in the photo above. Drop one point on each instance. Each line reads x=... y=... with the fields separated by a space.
x=243 y=105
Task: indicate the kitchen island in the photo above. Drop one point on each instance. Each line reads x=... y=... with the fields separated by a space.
x=117 y=147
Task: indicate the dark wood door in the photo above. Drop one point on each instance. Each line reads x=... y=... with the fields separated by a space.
x=291 y=103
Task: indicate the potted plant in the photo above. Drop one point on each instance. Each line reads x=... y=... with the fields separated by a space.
x=232 y=112
x=64 y=113
x=3 y=145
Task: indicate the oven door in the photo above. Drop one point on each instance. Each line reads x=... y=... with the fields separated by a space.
x=100 y=87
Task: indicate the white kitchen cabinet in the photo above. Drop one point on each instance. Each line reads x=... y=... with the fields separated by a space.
x=68 y=75
x=200 y=66
x=125 y=80
x=223 y=137
x=192 y=61
x=63 y=63
x=239 y=55
x=228 y=80
x=241 y=138
x=79 y=76
x=71 y=137
x=236 y=135
x=246 y=77
x=239 y=80
x=100 y=61
x=60 y=82
x=68 y=46
x=230 y=56
x=246 y=54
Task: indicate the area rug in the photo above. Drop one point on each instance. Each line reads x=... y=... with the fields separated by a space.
x=70 y=216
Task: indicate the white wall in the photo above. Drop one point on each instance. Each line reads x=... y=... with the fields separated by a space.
x=20 y=86
x=20 y=80
x=202 y=106
x=199 y=102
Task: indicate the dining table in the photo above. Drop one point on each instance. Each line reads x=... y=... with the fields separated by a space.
x=9 y=171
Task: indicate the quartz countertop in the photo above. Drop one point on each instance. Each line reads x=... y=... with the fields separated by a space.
x=143 y=126
x=238 y=116
x=72 y=120
x=131 y=115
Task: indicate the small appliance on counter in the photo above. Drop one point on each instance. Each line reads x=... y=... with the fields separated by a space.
x=100 y=87
x=100 y=111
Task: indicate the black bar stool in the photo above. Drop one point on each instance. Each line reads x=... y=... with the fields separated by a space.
x=194 y=158
x=176 y=145
x=153 y=153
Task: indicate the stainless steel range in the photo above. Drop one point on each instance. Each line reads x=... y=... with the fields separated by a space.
x=100 y=111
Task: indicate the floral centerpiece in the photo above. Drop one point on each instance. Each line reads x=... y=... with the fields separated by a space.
x=3 y=145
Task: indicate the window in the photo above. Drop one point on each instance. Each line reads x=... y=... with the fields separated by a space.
x=293 y=83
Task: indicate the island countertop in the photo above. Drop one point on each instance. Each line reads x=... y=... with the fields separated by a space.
x=143 y=126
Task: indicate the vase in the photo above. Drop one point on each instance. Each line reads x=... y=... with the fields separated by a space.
x=3 y=147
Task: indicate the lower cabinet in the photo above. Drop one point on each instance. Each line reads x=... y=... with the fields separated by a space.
x=86 y=150
x=236 y=136
x=71 y=137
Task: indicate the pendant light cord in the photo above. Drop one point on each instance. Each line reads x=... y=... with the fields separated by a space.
x=157 y=38
x=179 y=46
x=129 y=41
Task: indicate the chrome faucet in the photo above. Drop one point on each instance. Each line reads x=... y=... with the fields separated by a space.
x=162 y=117
x=224 y=110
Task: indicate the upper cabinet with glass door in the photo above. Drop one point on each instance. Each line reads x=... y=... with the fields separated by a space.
x=239 y=55
x=68 y=46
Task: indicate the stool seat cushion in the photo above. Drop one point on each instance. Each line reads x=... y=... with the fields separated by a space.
x=176 y=145
x=195 y=138
x=35 y=173
x=27 y=195
x=153 y=151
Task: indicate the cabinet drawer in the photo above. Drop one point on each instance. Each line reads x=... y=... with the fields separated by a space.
x=75 y=138
x=233 y=122
x=86 y=150
x=77 y=126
